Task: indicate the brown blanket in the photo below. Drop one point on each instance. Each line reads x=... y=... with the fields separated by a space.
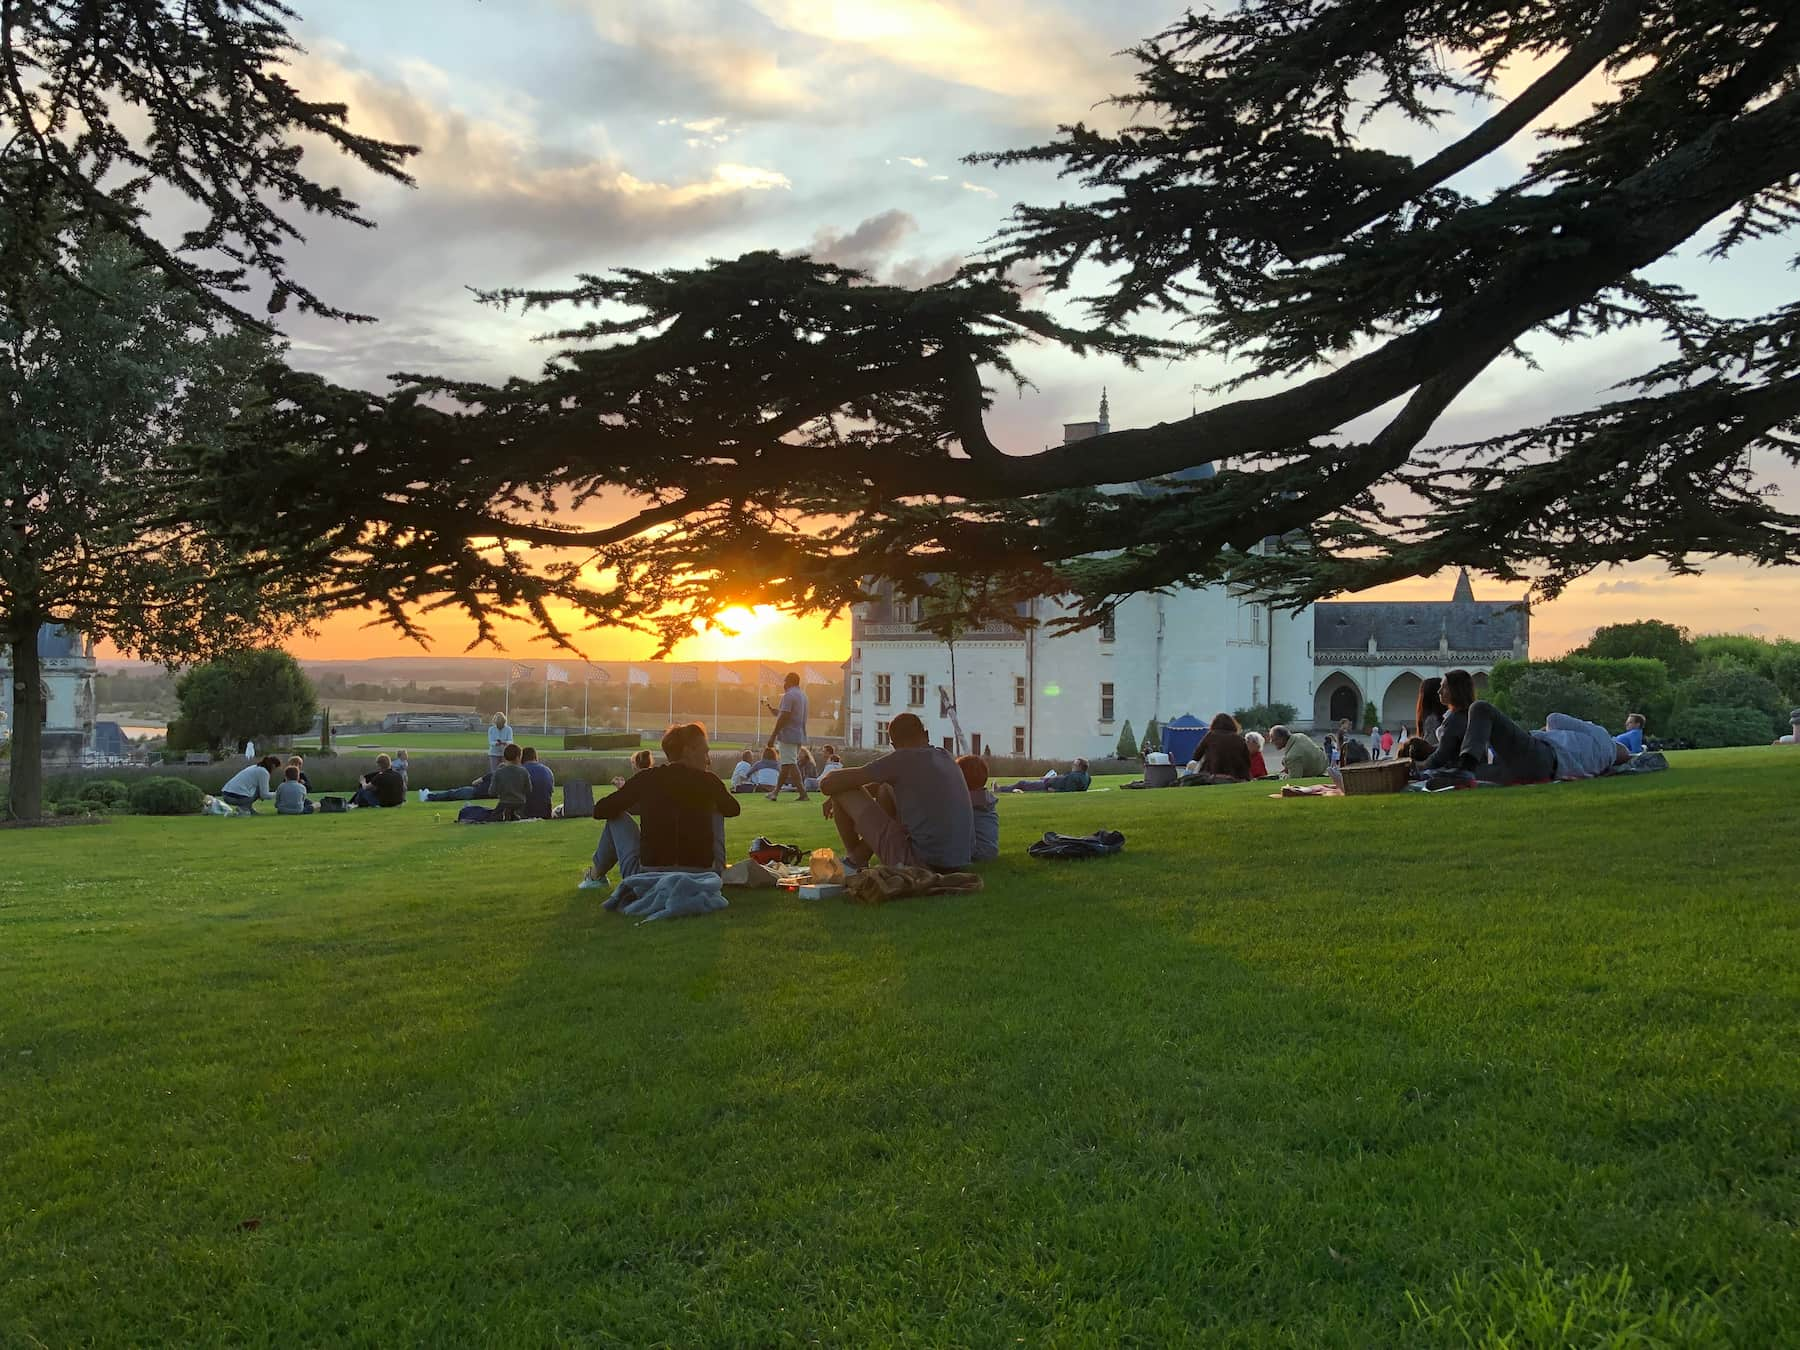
x=878 y=884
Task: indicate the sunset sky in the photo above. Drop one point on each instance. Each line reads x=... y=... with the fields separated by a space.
x=568 y=135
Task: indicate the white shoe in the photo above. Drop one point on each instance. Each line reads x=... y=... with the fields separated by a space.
x=421 y=794
x=592 y=883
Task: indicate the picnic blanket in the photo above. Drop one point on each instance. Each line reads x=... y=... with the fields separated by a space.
x=1074 y=847
x=649 y=896
x=879 y=884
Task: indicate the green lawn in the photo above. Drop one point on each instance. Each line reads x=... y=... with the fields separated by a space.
x=1490 y=1067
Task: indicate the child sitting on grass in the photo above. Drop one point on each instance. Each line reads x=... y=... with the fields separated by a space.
x=983 y=803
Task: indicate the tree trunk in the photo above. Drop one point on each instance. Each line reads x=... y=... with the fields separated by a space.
x=27 y=793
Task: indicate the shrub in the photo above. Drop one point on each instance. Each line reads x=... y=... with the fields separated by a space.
x=601 y=740
x=165 y=796
x=1725 y=684
x=1262 y=716
x=1707 y=727
x=1538 y=693
x=76 y=808
x=1371 y=716
x=1128 y=746
x=104 y=792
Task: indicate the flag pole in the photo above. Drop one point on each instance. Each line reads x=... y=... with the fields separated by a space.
x=546 y=700
x=715 y=721
x=628 y=698
x=508 y=706
x=759 y=702
x=671 y=696
x=586 y=684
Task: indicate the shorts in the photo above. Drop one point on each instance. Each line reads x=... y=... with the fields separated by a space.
x=790 y=754
x=879 y=830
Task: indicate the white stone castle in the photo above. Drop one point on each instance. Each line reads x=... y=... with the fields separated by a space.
x=1198 y=650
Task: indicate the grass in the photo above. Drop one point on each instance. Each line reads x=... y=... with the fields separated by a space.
x=1486 y=1068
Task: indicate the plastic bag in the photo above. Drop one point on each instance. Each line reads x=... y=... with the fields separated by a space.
x=826 y=869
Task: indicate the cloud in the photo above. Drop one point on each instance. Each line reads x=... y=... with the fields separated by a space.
x=869 y=248
x=1044 y=61
x=498 y=203
x=1625 y=588
x=977 y=187
x=913 y=160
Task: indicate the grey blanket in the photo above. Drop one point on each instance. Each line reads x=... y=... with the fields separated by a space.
x=649 y=896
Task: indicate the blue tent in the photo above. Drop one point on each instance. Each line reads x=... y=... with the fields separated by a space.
x=1181 y=737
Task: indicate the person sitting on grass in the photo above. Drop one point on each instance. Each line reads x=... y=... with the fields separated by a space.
x=511 y=786
x=1258 y=768
x=1224 y=755
x=740 y=773
x=1300 y=754
x=640 y=760
x=1077 y=779
x=910 y=807
x=829 y=762
x=542 y=802
x=381 y=787
x=298 y=764
x=250 y=785
x=682 y=805
x=766 y=776
x=1429 y=712
x=480 y=789
x=290 y=795
x=985 y=806
x=1632 y=738
x=1566 y=748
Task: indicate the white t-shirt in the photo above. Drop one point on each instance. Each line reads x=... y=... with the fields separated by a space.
x=498 y=739
x=251 y=781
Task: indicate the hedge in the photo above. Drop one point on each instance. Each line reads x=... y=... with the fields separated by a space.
x=165 y=796
x=1708 y=726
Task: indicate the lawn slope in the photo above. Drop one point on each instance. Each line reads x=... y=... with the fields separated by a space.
x=1372 y=1071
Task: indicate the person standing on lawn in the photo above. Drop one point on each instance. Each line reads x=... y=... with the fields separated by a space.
x=500 y=735
x=790 y=732
x=910 y=808
x=682 y=806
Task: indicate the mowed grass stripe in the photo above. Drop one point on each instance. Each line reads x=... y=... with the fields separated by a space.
x=1371 y=1071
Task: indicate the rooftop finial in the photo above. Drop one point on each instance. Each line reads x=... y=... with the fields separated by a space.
x=1465 y=590
x=1105 y=413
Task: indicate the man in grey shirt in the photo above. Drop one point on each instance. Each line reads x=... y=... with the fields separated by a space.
x=790 y=732
x=910 y=808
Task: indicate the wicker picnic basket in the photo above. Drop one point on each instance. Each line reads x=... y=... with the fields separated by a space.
x=1367 y=780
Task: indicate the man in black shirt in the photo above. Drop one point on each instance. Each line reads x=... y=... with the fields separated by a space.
x=384 y=787
x=682 y=805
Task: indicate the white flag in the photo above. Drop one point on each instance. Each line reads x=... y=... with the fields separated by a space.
x=598 y=675
x=683 y=675
x=811 y=676
x=726 y=675
x=555 y=674
x=635 y=676
x=769 y=673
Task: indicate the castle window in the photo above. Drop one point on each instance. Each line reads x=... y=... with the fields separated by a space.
x=1018 y=740
x=1109 y=627
x=915 y=691
x=1106 y=703
x=1018 y=691
x=884 y=691
x=881 y=733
